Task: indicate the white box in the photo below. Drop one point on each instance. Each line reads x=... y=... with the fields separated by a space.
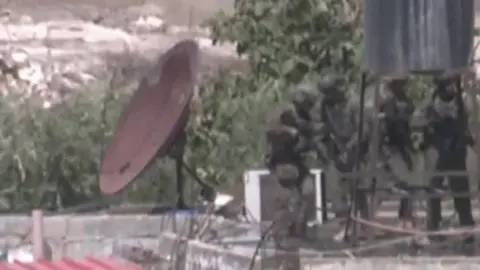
x=261 y=193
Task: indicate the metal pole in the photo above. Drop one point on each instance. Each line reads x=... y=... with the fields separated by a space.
x=353 y=209
x=37 y=234
x=473 y=93
x=375 y=153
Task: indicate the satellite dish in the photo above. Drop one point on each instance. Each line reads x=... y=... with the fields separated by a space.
x=154 y=116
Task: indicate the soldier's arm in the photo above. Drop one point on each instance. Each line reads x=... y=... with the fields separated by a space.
x=280 y=122
x=304 y=127
x=319 y=129
x=410 y=107
x=407 y=110
x=430 y=118
x=354 y=114
x=319 y=134
x=468 y=136
x=469 y=108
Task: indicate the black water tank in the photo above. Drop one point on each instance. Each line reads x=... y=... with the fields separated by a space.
x=404 y=36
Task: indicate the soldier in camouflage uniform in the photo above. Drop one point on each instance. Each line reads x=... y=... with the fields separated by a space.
x=396 y=149
x=338 y=117
x=447 y=136
x=289 y=134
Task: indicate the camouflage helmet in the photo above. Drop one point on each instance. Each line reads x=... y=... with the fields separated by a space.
x=302 y=95
x=332 y=88
x=329 y=82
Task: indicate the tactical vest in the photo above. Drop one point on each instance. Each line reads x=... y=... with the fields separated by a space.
x=396 y=121
x=446 y=114
x=339 y=120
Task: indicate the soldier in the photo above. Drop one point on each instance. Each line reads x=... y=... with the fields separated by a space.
x=447 y=133
x=289 y=134
x=338 y=116
x=396 y=147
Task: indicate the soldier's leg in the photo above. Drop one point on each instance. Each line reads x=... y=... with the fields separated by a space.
x=337 y=191
x=284 y=216
x=400 y=176
x=364 y=182
x=462 y=204
x=282 y=234
x=287 y=176
x=299 y=204
x=364 y=207
x=434 y=165
x=337 y=194
x=434 y=204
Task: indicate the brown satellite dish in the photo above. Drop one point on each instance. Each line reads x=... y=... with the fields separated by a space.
x=153 y=118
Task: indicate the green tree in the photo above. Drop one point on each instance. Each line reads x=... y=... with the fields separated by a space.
x=285 y=42
x=289 y=39
x=50 y=158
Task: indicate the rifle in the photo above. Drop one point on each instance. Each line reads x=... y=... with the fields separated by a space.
x=345 y=159
x=462 y=121
x=462 y=132
x=397 y=128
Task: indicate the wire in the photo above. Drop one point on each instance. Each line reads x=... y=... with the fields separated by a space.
x=262 y=239
x=265 y=233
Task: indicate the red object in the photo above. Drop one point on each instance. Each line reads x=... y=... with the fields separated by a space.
x=152 y=119
x=88 y=263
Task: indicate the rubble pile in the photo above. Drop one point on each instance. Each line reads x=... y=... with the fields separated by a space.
x=49 y=82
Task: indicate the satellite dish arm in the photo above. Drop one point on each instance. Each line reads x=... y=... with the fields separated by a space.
x=177 y=152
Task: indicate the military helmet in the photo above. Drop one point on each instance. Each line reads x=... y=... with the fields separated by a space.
x=331 y=81
x=302 y=95
x=332 y=88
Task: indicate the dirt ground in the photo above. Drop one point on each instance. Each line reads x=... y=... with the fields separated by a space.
x=181 y=12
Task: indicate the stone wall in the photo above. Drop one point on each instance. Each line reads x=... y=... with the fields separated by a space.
x=105 y=235
x=420 y=263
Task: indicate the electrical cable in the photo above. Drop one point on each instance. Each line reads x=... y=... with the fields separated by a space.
x=265 y=233
x=262 y=239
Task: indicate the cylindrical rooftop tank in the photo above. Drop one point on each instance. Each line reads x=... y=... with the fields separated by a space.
x=403 y=36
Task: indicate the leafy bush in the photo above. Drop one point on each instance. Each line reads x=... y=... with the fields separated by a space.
x=226 y=131
x=285 y=42
x=51 y=157
x=288 y=39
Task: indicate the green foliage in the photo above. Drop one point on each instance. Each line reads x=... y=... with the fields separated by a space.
x=50 y=157
x=226 y=132
x=285 y=42
x=288 y=39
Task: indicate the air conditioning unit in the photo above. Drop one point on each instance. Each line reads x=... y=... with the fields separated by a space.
x=262 y=192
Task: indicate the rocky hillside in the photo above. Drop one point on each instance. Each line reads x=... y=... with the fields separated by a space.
x=57 y=45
